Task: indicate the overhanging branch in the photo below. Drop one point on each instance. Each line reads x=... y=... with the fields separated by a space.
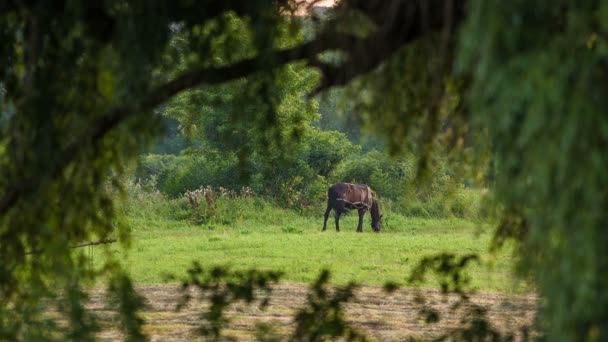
x=100 y=127
x=406 y=21
x=84 y=244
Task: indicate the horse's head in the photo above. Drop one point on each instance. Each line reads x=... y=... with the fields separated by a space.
x=377 y=226
x=376 y=217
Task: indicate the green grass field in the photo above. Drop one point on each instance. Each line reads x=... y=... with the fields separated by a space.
x=253 y=234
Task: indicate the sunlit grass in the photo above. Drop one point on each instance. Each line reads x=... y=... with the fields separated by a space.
x=261 y=236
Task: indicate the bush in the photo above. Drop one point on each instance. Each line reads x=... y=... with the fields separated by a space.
x=324 y=150
x=143 y=203
x=175 y=175
x=468 y=203
x=388 y=177
x=300 y=181
x=152 y=165
x=437 y=195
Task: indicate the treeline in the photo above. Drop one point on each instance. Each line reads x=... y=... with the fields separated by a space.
x=301 y=177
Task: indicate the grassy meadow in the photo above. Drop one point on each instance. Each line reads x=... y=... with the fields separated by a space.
x=252 y=233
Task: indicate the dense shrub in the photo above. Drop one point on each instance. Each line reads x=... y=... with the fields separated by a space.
x=300 y=180
x=174 y=175
x=438 y=194
x=144 y=203
x=295 y=180
x=201 y=171
x=388 y=177
x=324 y=150
x=152 y=165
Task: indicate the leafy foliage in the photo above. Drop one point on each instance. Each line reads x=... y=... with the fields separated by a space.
x=537 y=91
x=259 y=115
x=323 y=318
x=82 y=84
x=447 y=268
x=474 y=324
x=303 y=174
x=79 y=84
x=129 y=303
x=223 y=288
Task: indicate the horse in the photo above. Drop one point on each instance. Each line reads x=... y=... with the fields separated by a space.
x=343 y=197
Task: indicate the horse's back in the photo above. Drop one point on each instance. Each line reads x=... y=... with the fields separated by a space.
x=353 y=193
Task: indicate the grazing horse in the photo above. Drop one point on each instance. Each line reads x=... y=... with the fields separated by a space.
x=343 y=197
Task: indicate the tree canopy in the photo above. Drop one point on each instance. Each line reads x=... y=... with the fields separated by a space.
x=83 y=86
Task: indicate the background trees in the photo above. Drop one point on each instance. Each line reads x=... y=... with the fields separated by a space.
x=83 y=85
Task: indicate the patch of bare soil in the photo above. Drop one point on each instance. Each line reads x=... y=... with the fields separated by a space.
x=381 y=316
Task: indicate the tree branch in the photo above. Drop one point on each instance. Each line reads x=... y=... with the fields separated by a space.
x=84 y=244
x=100 y=127
x=399 y=22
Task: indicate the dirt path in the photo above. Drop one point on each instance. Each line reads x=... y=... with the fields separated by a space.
x=383 y=317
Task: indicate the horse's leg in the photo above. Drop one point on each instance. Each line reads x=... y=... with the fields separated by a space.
x=337 y=219
x=360 y=226
x=326 y=215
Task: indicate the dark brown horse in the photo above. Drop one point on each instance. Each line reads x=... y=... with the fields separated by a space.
x=343 y=197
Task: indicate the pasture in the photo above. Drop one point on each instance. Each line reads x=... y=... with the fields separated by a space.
x=252 y=233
